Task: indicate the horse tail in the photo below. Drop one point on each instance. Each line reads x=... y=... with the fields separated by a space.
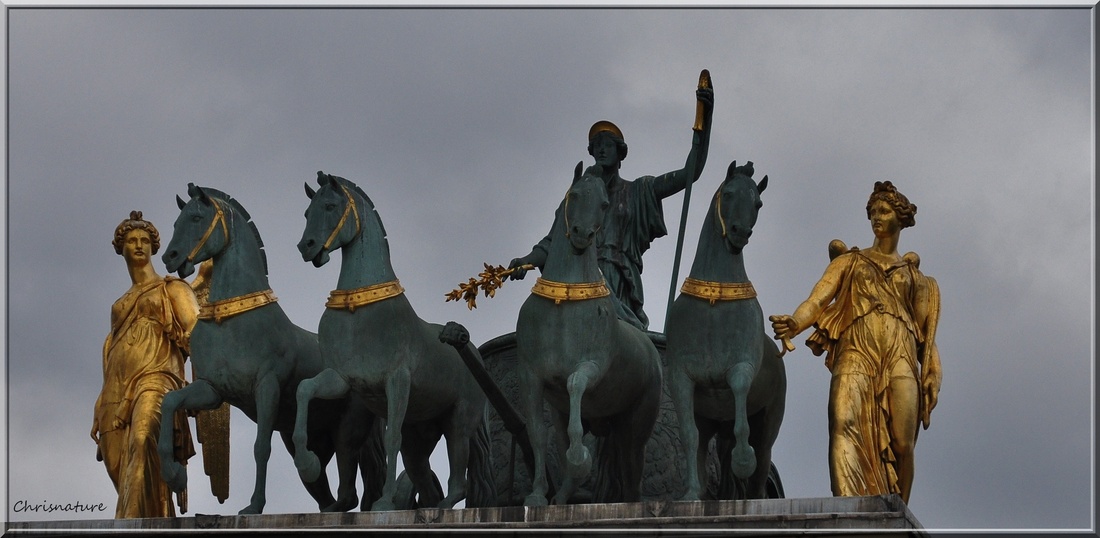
x=481 y=488
x=609 y=477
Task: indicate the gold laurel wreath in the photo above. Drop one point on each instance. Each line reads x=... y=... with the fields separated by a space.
x=487 y=281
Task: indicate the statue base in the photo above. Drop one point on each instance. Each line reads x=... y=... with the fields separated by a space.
x=835 y=515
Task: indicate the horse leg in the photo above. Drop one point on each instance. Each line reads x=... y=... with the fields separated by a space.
x=197 y=395
x=460 y=430
x=578 y=458
x=569 y=482
x=757 y=484
x=347 y=462
x=351 y=432
x=740 y=381
x=318 y=489
x=636 y=427
x=417 y=444
x=372 y=458
x=267 y=405
x=397 y=402
x=531 y=389
x=764 y=431
x=328 y=384
x=682 y=390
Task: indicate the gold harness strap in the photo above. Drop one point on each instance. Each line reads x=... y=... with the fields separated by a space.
x=721 y=221
x=219 y=216
x=228 y=308
x=560 y=291
x=351 y=299
x=718 y=291
x=349 y=208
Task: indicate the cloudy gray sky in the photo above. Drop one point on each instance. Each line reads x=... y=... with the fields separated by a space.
x=464 y=126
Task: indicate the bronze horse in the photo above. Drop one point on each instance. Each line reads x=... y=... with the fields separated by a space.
x=723 y=369
x=598 y=373
x=246 y=351
x=374 y=346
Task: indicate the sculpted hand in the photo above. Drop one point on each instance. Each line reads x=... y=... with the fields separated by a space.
x=706 y=96
x=930 y=395
x=95 y=437
x=518 y=271
x=784 y=326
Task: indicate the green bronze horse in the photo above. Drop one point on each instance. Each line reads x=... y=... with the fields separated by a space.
x=247 y=352
x=722 y=366
x=374 y=345
x=598 y=372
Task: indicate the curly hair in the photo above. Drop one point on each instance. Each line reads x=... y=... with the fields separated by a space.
x=135 y=222
x=887 y=192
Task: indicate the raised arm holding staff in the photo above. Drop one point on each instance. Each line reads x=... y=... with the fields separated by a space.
x=636 y=216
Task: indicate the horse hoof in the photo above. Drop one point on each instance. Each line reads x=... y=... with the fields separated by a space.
x=251 y=510
x=743 y=461
x=580 y=462
x=309 y=467
x=535 y=500
x=382 y=506
x=448 y=503
x=175 y=475
x=341 y=505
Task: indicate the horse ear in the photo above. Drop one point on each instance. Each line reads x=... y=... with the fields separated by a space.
x=762 y=185
x=577 y=171
x=309 y=192
x=323 y=178
x=180 y=202
x=196 y=191
x=201 y=194
x=731 y=169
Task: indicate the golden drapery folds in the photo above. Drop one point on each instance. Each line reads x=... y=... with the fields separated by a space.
x=142 y=361
x=875 y=316
x=143 y=357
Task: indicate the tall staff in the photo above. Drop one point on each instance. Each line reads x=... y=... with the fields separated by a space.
x=704 y=83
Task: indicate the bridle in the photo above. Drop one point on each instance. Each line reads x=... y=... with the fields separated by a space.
x=219 y=217
x=718 y=211
x=349 y=208
x=565 y=214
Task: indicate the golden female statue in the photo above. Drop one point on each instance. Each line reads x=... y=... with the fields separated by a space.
x=142 y=360
x=875 y=316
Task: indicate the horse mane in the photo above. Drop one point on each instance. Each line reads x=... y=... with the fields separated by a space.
x=244 y=213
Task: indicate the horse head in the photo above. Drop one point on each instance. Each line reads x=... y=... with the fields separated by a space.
x=737 y=204
x=332 y=219
x=586 y=204
x=200 y=232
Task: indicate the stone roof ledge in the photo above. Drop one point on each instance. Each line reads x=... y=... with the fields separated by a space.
x=855 y=516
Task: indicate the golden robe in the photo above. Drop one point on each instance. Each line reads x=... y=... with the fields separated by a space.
x=871 y=337
x=142 y=360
